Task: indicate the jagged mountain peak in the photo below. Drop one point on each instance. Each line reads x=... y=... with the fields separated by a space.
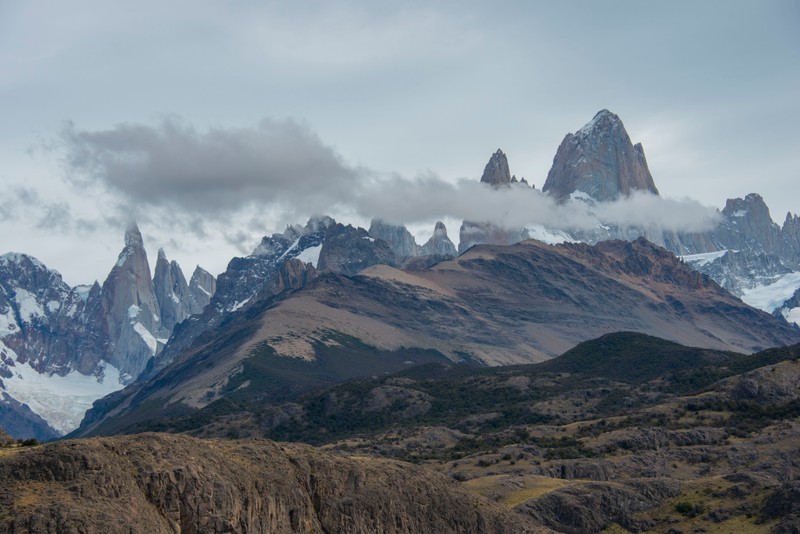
x=439 y=244
x=133 y=237
x=496 y=172
x=599 y=160
x=604 y=121
x=737 y=207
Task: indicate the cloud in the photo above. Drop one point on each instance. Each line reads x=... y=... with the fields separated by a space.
x=214 y=171
x=284 y=168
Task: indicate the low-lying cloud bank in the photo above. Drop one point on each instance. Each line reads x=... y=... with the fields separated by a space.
x=283 y=165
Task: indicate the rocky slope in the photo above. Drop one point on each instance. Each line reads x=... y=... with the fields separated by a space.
x=626 y=431
x=153 y=483
x=493 y=305
x=623 y=432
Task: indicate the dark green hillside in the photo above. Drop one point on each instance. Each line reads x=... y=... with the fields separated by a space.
x=611 y=375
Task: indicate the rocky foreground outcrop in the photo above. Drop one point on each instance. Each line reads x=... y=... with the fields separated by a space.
x=152 y=483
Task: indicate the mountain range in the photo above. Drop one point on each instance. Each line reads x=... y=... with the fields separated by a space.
x=61 y=347
x=314 y=295
x=598 y=378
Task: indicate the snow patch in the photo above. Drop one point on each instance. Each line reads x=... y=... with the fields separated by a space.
x=739 y=213
x=288 y=250
x=547 y=235
x=771 y=296
x=310 y=255
x=53 y=306
x=202 y=289
x=134 y=311
x=62 y=401
x=147 y=337
x=704 y=258
x=83 y=291
x=238 y=304
x=793 y=315
x=582 y=196
x=124 y=256
x=368 y=238
x=28 y=306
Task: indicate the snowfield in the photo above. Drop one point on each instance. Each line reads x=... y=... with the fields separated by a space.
x=772 y=296
x=62 y=401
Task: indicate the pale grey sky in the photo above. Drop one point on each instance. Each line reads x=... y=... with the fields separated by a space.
x=418 y=91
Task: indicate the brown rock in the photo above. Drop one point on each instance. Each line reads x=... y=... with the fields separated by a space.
x=153 y=483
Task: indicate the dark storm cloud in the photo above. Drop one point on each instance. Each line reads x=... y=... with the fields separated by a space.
x=214 y=171
x=284 y=166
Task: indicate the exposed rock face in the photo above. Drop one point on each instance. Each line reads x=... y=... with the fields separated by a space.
x=598 y=505
x=153 y=483
x=202 y=287
x=747 y=225
x=496 y=172
x=439 y=244
x=171 y=292
x=38 y=316
x=130 y=310
x=759 y=251
x=46 y=328
x=348 y=250
x=738 y=271
x=400 y=240
x=790 y=239
x=600 y=161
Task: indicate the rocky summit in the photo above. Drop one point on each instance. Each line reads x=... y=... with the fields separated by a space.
x=496 y=172
x=600 y=161
x=439 y=244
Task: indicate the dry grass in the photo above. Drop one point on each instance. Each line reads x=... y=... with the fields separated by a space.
x=512 y=490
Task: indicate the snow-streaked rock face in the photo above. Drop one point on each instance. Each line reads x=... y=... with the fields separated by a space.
x=600 y=160
x=171 y=292
x=129 y=284
x=46 y=334
x=61 y=348
x=202 y=287
x=761 y=253
x=281 y=261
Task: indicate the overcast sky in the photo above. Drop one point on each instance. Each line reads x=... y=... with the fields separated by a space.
x=170 y=112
